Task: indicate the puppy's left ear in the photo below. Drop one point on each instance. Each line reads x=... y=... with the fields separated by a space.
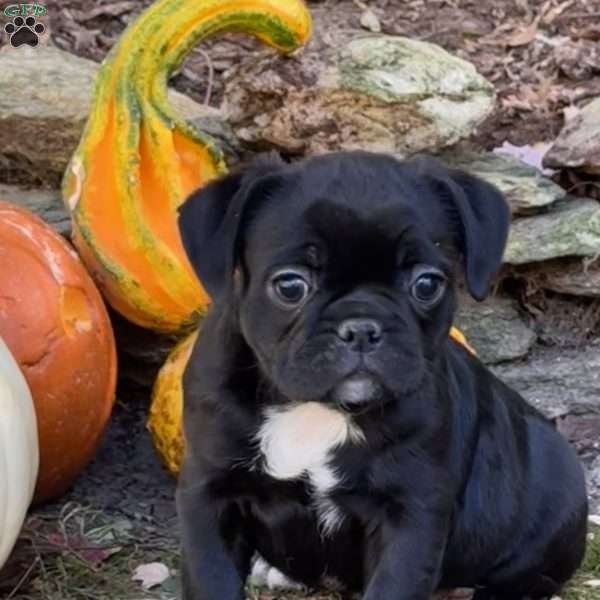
x=480 y=217
x=484 y=220
x=211 y=218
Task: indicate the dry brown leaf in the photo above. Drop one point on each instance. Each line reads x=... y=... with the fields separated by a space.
x=591 y=32
x=512 y=101
x=545 y=91
x=523 y=35
x=115 y=9
x=523 y=5
x=550 y=14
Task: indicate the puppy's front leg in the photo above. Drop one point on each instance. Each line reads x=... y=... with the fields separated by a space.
x=405 y=560
x=214 y=566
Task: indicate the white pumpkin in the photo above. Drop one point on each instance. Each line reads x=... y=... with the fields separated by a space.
x=19 y=452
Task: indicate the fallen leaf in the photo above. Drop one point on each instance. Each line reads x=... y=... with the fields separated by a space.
x=151 y=574
x=595 y=583
x=523 y=35
x=531 y=154
x=84 y=38
x=84 y=547
x=98 y=555
x=114 y=10
x=591 y=32
x=548 y=16
x=369 y=20
x=512 y=101
x=570 y=112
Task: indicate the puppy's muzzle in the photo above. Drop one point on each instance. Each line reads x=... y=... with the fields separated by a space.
x=361 y=335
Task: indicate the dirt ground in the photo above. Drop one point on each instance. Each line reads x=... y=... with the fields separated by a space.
x=120 y=513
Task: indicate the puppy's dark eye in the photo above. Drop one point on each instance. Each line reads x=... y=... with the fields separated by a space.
x=428 y=287
x=290 y=287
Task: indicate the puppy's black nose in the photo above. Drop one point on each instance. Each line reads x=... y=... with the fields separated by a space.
x=362 y=335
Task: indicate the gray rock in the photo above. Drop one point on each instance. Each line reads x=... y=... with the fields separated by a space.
x=593 y=481
x=558 y=383
x=374 y=92
x=573 y=229
x=578 y=144
x=524 y=186
x=46 y=204
x=212 y=121
x=44 y=104
x=565 y=386
x=494 y=328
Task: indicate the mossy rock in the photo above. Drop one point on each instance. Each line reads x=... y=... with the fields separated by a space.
x=374 y=92
x=572 y=229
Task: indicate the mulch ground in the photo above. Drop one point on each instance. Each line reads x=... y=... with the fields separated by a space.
x=543 y=56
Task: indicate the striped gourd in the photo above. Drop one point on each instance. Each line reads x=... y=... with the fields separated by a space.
x=138 y=160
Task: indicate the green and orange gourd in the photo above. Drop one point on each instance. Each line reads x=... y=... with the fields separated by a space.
x=138 y=160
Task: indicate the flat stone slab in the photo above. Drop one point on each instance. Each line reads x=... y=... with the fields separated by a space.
x=46 y=204
x=558 y=383
x=494 y=328
x=575 y=277
x=526 y=189
x=571 y=229
x=45 y=100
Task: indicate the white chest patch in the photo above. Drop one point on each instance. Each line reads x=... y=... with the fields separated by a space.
x=298 y=441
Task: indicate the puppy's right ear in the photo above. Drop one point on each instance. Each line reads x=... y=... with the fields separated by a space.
x=210 y=221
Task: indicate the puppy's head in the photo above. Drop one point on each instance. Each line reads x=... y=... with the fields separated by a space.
x=340 y=269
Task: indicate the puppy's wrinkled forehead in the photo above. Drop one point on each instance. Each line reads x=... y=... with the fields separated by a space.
x=361 y=205
x=364 y=212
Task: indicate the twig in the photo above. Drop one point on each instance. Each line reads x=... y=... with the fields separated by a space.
x=588 y=261
x=211 y=75
x=579 y=184
x=23 y=579
x=573 y=16
x=435 y=33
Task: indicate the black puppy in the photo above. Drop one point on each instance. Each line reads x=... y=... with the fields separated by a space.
x=331 y=424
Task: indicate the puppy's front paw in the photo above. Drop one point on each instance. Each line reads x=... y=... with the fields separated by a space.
x=264 y=575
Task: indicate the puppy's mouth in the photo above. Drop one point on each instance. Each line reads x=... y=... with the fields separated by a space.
x=357 y=392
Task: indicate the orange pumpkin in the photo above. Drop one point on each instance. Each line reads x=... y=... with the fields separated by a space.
x=54 y=322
